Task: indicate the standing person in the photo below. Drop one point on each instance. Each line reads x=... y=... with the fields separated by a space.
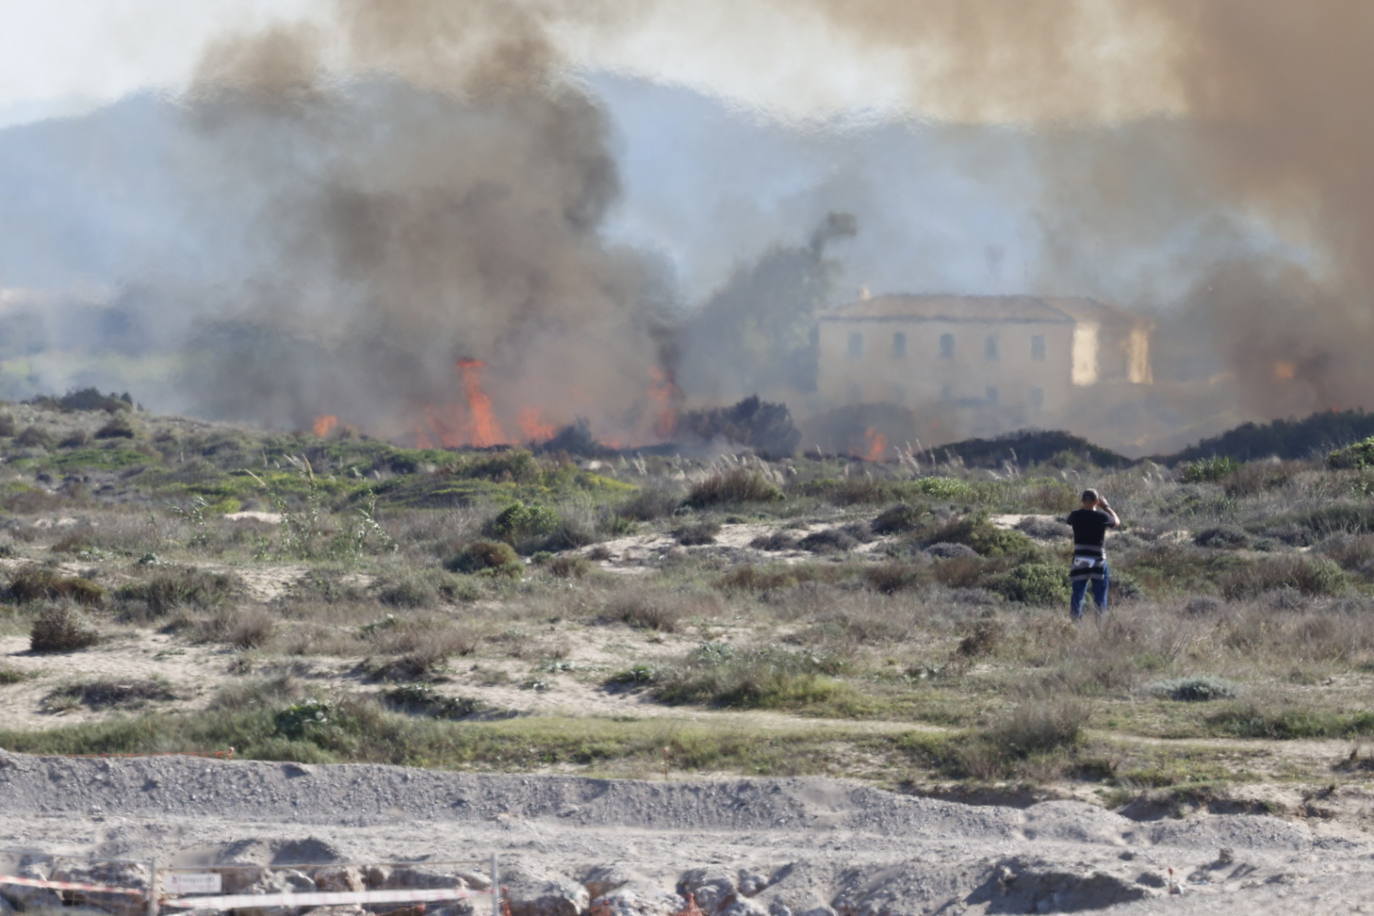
x=1090 y=523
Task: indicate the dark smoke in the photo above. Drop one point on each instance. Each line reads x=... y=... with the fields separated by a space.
x=441 y=202
x=757 y=333
x=1266 y=115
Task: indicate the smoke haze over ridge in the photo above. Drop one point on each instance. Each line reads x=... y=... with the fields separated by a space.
x=401 y=185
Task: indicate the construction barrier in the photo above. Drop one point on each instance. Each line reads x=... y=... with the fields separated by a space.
x=37 y=880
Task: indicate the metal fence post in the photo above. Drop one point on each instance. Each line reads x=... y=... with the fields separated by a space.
x=495 y=887
x=152 y=907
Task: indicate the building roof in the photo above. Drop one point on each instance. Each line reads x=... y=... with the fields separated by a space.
x=945 y=307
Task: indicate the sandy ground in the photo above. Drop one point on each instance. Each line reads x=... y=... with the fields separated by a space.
x=781 y=846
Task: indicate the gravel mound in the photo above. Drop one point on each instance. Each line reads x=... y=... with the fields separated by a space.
x=742 y=846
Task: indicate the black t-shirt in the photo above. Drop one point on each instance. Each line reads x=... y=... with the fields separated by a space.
x=1090 y=527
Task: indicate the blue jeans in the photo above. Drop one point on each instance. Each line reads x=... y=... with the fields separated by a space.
x=1080 y=588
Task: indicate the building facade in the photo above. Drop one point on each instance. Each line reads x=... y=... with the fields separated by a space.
x=984 y=364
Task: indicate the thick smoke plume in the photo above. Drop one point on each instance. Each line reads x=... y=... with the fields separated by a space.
x=1262 y=101
x=413 y=247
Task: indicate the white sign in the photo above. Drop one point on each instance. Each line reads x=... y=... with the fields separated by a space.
x=181 y=882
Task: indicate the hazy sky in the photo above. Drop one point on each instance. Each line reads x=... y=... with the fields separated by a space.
x=62 y=56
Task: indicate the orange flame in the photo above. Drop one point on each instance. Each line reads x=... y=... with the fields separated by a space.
x=663 y=392
x=875 y=445
x=325 y=424
x=1285 y=371
x=483 y=428
x=533 y=425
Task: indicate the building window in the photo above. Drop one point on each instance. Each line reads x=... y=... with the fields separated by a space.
x=992 y=394
x=947 y=346
x=1038 y=348
x=990 y=346
x=899 y=345
x=1037 y=397
x=856 y=344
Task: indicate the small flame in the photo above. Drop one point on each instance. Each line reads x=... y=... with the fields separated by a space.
x=325 y=424
x=1285 y=371
x=533 y=425
x=875 y=445
x=664 y=393
x=484 y=430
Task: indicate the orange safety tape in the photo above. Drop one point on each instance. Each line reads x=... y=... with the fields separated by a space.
x=71 y=886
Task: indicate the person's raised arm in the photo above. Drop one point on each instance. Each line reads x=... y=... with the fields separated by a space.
x=1111 y=513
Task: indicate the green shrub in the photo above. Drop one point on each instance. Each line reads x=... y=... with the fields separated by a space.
x=718 y=674
x=34 y=437
x=645 y=611
x=1356 y=455
x=1209 y=470
x=951 y=489
x=889 y=578
x=830 y=540
x=898 y=519
x=1037 y=730
x=570 y=566
x=190 y=587
x=6 y=425
x=632 y=677
x=517 y=465
x=61 y=628
x=9 y=675
x=1195 y=689
x=651 y=502
x=422 y=699
x=492 y=557
x=1038 y=725
x=1302 y=572
x=1225 y=537
x=696 y=534
x=37 y=583
x=124 y=693
x=521 y=524
x=751 y=578
x=298 y=720
x=118 y=426
x=1040 y=584
x=426 y=663
x=977 y=532
x=737 y=485
x=983 y=639
x=1251 y=720
x=407 y=592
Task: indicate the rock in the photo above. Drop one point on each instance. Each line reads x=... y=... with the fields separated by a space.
x=414 y=877
x=112 y=874
x=21 y=897
x=532 y=893
x=600 y=880
x=750 y=883
x=742 y=906
x=712 y=888
x=795 y=889
x=339 y=878
x=637 y=901
x=377 y=875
